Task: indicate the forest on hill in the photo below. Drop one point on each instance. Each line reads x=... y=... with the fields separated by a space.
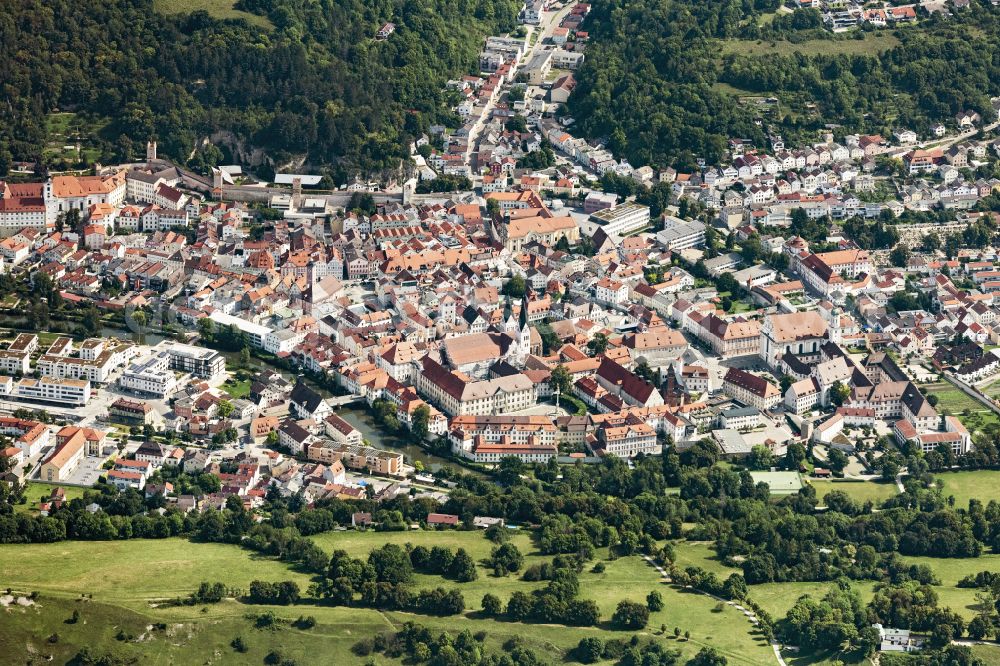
x=317 y=84
x=662 y=80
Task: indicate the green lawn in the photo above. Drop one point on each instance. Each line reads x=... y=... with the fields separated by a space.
x=739 y=305
x=237 y=388
x=129 y=573
x=988 y=655
x=978 y=484
x=36 y=489
x=859 y=491
x=359 y=544
x=220 y=9
x=701 y=554
x=952 y=570
x=874 y=42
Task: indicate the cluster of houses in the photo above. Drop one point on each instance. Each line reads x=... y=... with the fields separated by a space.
x=847 y=15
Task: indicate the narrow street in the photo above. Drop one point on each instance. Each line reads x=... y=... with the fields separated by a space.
x=550 y=21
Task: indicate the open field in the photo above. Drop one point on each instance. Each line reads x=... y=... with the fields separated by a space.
x=359 y=544
x=700 y=554
x=979 y=484
x=124 y=576
x=859 y=491
x=953 y=401
x=950 y=571
x=873 y=43
x=220 y=9
x=129 y=573
x=36 y=489
x=778 y=598
x=989 y=655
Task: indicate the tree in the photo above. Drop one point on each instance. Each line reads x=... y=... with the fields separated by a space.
x=735 y=587
x=760 y=458
x=206 y=328
x=515 y=287
x=506 y=558
x=91 y=320
x=899 y=256
x=438 y=560
x=654 y=601
x=491 y=605
x=225 y=408
x=391 y=564
x=560 y=379
x=598 y=344
x=589 y=650
x=839 y=393
x=794 y=455
x=931 y=242
x=463 y=568
x=516 y=124
x=979 y=627
x=837 y=460
x=708 y=656
x=509 y=471
x=420 y=424
x=518 y=606
x=630 y=615
x=245 y=357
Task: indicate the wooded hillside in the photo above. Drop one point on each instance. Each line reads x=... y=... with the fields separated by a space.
x=318 y=83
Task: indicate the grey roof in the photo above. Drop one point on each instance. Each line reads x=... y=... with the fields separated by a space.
x=736 y=412
x=731 y=441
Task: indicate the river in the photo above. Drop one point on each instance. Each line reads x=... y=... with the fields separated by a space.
x=359 y=417
x=150 y=338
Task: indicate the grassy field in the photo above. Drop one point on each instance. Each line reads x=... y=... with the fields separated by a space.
x=130 y=573
x=952 y=570
x=124 y=577
x=988 y=655
x=872 y=43
x=220 y=9
x=36 y=489
x=778 y=598
x=953 y=401
x=700 y=554
x=859 y=491
x=979 y=484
